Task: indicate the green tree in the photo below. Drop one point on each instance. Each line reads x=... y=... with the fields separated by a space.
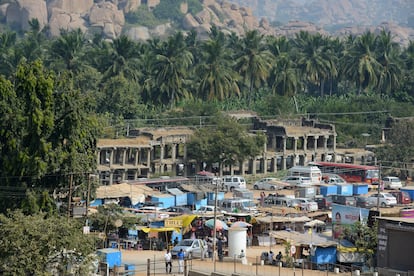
x=217 y=80
x=389 y=58
x=43 y=245
x=364 y=238
x=284 y=76
x=120 y=97
x=399 y=148
x=68 y=49
x=170 y=69
x=123 y=58
x=228 y=143
x=254 y=61
x=360 y=62
x=34 y=88
x=311 y=59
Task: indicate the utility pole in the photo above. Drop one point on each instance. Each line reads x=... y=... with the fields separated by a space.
x=214 y=226
x=379 y=186
x=70 y=195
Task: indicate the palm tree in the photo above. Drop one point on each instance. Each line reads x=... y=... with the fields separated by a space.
x=333 y=52
x=360 y=61
x=284 y=77
x=217 y=79
x=170 y=69
x=68 y=49
x=389 y=58
x=31 y=47
x=7 y=53
x=253 y=61
x=123 y=58
x=312 y=59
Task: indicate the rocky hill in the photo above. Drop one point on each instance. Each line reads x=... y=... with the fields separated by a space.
x=110 y=17
x=340 y=17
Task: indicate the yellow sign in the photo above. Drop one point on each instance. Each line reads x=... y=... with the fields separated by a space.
x=173 y=223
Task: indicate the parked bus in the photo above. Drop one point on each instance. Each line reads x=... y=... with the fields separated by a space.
x=350 y=172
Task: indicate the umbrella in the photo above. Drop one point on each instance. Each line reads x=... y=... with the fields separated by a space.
x=313 y=223
x=220 y=225
x=242 y=224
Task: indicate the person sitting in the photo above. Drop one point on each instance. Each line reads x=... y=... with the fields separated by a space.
x=270 y=257
x=279 y=257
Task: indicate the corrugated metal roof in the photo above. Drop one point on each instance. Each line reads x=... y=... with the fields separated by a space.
x=175 y=191
x=298 y=239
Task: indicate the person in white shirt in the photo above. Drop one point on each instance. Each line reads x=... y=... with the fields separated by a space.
x=168 y=263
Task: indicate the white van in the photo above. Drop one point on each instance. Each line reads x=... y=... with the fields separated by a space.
x=238 y=205
x=232 y=182
x=309 y=171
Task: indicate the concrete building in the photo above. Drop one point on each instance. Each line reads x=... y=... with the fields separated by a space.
x=161 y=151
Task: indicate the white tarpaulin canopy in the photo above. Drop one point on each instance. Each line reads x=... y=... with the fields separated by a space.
x=314 y=223
x=136 y=193
x=307 y=238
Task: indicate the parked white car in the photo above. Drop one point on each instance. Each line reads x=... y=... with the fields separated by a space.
x=391 y=182
x=298 y=181
x=232 y=182
x=269 y=183
x=192 y=248
x=383 y=199
x=305 y=204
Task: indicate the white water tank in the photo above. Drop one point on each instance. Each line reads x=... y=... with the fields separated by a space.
x=237 y=241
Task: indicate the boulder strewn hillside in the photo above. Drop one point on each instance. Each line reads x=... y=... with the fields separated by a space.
x=109 y=17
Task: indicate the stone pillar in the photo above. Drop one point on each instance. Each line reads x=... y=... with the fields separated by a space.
x=241 y=166
x=315 y=145
x=265 y=164
x=123 y=174
x=124 y=153
x=325 y=143
x=173 y=152
x=295 y=144
x=149 y=157
x=98 y=157
x=273 y=142
x=136 y=157
x=111 y=177
x=111 y=157
x=284 y=162
x=274 y=164
x=284 y=145
x=162 y=152
x=305 y=143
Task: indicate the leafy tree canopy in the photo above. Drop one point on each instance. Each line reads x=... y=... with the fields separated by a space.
x=43 y=245
x=227 y=143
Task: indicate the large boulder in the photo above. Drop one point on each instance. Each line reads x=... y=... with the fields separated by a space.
x=71 y=6
x=61 y=20
x=20 y=12
x=106 y=16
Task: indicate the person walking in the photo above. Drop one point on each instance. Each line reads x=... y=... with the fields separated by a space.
x=168 y=263
x=180 y=257
x=220 y=248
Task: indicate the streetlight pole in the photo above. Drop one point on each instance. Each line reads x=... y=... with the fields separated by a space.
x=379 y=185
x=214 y=225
